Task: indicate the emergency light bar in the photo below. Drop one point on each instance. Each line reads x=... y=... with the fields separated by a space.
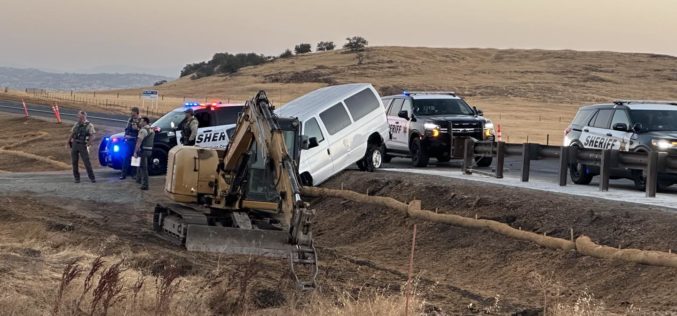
x=408 y=93
x=621 y=102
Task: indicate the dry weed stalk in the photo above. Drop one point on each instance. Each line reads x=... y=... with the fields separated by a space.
x=89 y=280
x=136 y=288
x=107 y=291
x=70 y=272
x=165 y=288
x=546 y=284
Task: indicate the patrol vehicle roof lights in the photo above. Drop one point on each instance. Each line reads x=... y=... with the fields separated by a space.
x=116 y=148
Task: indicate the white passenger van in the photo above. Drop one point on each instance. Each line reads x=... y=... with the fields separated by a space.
x=342 y=124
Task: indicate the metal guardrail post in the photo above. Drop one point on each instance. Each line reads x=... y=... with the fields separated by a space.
x=605 y=168
x=500 y=159
x=468 y=155
x=526 y=161
x=652 y=174
x=563 y=165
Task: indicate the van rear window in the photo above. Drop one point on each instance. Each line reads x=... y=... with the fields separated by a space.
x=362 y=104
x=335 y=118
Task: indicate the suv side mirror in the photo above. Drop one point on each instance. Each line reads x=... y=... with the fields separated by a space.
x=478 y=112
x=403 y=114
x=620 y=127
x=637 y=127
x=308 y=143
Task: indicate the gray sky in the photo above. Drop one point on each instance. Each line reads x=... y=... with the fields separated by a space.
x=162 y=36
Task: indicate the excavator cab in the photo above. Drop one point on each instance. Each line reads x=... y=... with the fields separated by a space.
x=245 y=199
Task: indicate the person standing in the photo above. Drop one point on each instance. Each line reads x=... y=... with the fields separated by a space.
x=81 y=134
x=189 y=130
x=131 y=134
x=144 y=150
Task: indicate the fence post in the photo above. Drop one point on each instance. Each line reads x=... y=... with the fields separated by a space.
x=526 y=161
x=547 y=139
x=604 y=170
x=500 y=159
x=652 y=174
x=468 y=155
x=563 y=164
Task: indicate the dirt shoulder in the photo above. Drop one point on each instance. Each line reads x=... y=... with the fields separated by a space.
x=490 y=265
x=30 y=145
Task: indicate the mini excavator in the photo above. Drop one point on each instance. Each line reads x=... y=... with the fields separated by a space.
x=245 y=199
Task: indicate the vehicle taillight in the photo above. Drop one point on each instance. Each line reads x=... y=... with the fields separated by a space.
x=567 y=131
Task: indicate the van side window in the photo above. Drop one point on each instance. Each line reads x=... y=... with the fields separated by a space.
x=312 y=129
x=386 y=103
x=603 y=118
x=395 y=107
x=335 y=118
x=362 y=103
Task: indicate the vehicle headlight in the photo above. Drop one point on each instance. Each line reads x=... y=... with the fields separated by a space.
x=488 y=128
x=431 y=126
x=662 y=143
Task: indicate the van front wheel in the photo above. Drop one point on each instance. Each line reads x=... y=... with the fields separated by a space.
x=372 y=160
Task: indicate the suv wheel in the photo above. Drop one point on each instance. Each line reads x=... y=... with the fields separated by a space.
x=372 y=160
x=483 y=161
x=419 y=157
x=579 y=174
x=157 y=164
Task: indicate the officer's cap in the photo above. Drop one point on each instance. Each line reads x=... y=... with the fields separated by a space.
x=188 y=111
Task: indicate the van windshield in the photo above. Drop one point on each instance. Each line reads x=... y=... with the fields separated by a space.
x=441 y=107
x=655 y=120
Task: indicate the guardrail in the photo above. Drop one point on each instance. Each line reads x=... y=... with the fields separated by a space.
x=650 y=163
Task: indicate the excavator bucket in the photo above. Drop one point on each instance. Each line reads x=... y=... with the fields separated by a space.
x=233 y=241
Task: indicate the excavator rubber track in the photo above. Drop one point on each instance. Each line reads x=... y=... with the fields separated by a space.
x=197 y=229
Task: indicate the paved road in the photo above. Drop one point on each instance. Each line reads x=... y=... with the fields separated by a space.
x=69 y=114
x=545 y=171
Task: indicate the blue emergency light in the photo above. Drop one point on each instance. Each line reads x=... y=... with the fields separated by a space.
x=405 y=93
x=116 y=148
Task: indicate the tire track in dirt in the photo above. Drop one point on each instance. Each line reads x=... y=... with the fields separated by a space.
x=7 y=149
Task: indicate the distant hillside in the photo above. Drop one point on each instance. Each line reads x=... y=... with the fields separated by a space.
x=534 y=75
x=32 y=78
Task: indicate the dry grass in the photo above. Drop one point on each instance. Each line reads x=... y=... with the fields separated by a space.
x=532 y=93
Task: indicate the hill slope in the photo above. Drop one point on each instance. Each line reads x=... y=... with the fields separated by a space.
x=32 y=78
x=536 y=75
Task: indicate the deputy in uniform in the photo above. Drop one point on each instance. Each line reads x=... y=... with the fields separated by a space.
x=81 y=134
x=189 y=131
x=131 y=133
x=144 y=149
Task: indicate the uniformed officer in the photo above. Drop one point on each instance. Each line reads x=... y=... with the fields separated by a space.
x=131 y=133
x=144 y=149
x=189 y=131
x=81 y=134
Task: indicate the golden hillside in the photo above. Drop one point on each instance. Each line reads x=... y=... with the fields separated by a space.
x=530 y=92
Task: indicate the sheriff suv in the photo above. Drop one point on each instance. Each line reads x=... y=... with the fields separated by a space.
x=637 y=126
x=433 y=124
x=216 y=123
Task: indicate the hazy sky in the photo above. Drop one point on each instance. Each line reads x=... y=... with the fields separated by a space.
x=162 y=36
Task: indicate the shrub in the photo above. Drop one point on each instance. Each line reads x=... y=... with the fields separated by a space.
x=355 y=44
x=302 y=48
x=287 y=53
x=223 y=63
x=325 y=46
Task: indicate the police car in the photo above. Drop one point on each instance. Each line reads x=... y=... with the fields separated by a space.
x=422 y=124
x=637 y=126
x=216 y=122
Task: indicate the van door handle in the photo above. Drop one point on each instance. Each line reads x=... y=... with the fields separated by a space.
x=328 y=152
x=586 y=130
x=609 y=134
